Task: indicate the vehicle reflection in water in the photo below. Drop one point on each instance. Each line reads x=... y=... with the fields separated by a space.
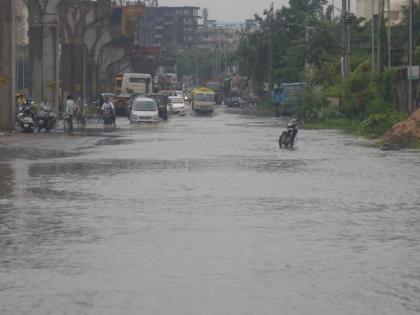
x=207 y=216
x=7 y=181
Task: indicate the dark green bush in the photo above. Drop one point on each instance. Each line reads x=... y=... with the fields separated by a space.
x=315 y=107
x=378 y=124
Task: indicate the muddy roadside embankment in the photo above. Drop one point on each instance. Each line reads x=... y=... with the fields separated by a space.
x=405 y=134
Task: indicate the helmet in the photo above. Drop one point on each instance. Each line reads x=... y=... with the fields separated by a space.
x=292 y=123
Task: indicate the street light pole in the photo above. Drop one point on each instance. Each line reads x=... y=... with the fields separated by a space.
x=348 y=36
x=270 y=15
x=373 y=37
x=345 y=26
x=410 y=59
x=389 y=33
x=379 y=51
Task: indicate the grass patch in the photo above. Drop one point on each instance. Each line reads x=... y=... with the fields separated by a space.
x=347 y=125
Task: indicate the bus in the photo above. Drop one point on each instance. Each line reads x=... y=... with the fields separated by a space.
x=203 y=100
x=288 y=97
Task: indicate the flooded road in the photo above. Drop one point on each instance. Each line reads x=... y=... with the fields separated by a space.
x=205 y=215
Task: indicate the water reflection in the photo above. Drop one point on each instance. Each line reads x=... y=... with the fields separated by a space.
x=193 y=218
x=7 y=181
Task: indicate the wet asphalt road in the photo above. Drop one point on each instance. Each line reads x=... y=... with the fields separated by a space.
x=205 y=215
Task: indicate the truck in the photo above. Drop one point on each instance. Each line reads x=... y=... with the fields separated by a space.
x=127 y=85
x=172 y=80
x=203 y=100
x=139 y=84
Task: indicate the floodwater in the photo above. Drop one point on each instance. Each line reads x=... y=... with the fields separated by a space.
x=205 y=215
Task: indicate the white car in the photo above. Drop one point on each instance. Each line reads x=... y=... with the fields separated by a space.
x=177 y=105
x=144 y=110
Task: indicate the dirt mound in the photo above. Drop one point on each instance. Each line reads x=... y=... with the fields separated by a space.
x=405 y=132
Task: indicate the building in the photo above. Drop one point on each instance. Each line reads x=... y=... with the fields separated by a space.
x=22 y=25
x=173 y=25
x=367 y=8
x=227 y=35
x=251 y=25
x=220 y=40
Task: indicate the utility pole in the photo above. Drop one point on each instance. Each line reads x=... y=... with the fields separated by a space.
x=348 y=24
x=270 y=15
x=410 y=59
x=389 y=33
x=7 y=65
x=345 y=25
x=373 y=61
x=378 y=38
x=380 y=44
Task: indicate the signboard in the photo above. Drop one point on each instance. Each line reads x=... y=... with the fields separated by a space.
x=413 y=72
x=130 y=15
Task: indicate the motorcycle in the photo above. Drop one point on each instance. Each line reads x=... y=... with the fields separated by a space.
x=108 y=117
x=288 y=137
x=45 y=119
x=26 y=118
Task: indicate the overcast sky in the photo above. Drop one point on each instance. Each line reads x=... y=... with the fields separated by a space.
x=232 y=10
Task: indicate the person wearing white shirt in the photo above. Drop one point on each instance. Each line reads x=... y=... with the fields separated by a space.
x=69 y=111
x=107 y=105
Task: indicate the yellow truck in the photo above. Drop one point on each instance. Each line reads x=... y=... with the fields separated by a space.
x=203 y=100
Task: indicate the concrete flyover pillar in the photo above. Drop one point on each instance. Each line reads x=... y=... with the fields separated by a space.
x=44 y=56
x=7 y=64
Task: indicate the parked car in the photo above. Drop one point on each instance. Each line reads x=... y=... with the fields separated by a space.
x=233 y=102
x=144 y=110
x=177 y=105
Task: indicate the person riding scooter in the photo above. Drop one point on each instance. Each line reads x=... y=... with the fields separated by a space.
x=108 y=107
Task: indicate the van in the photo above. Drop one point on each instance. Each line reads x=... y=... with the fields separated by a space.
x=144 y=110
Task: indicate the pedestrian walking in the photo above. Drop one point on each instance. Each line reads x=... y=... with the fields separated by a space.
x=69 y=111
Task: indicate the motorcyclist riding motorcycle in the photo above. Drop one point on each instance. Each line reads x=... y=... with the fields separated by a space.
x=108 y=112
x=288 y=137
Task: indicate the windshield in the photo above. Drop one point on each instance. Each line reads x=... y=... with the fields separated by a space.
x=204 y=97
x=139 y=80
x=177 y=100
x=144 y=106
